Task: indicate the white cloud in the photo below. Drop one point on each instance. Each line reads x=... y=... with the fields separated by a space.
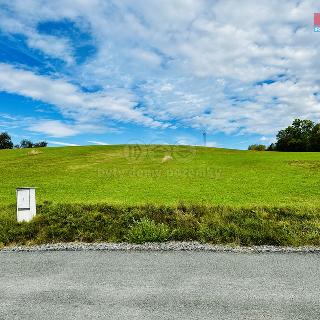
x=148 y=57
x=186 y=140
x=54 y=128
x=204 y=64
x=50 y=127
x=100 y=143
x=267 y=140
x=212 y=144
x=60 y=143
x=70 y=100
x=50 y=45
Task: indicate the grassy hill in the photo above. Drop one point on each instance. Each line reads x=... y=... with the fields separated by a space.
x=143 y=174
x=159 y=193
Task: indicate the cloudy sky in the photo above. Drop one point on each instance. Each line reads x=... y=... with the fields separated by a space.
x=77 y=72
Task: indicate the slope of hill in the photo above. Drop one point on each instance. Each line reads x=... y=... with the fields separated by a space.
x=125 y=174
x=160 y=193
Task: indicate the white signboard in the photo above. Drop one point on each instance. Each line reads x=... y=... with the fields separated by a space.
x=26 y=204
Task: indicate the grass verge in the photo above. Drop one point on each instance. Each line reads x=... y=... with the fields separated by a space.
x=285 y=226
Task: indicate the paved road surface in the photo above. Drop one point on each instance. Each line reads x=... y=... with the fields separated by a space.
x=168 y=285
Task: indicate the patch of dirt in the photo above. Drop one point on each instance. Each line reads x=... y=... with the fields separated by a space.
x=34 y=152
x=166 y=159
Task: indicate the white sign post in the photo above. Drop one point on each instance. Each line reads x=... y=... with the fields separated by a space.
x=26 y=204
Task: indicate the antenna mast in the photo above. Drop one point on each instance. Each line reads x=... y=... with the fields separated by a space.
x=204 y=135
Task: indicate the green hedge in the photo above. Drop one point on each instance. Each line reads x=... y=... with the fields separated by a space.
x=148 y=223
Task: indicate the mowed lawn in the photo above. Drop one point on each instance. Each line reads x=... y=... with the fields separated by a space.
x=162 y=175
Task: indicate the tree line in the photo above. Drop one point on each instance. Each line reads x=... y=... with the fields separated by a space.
x=300 y=136
x=6 y=143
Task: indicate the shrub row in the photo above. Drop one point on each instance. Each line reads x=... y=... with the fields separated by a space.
x=148 y=223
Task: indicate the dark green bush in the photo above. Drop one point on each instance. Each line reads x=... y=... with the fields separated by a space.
x=147 y=230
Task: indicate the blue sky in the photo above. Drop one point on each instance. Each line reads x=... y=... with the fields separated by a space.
x=78 y=72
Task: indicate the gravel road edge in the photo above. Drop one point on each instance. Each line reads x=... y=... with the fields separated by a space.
x=165 y=246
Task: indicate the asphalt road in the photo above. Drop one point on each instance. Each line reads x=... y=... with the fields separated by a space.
x=168 y=285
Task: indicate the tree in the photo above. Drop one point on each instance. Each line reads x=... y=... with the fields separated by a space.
x=315 y=138
x=40 y=144
x=25 y=143
x=272 y=147
x=257 y=147
x=295 y=137
x=5 y=141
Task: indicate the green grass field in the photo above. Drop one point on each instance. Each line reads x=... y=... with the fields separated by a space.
x=137 y=175
x=160 y=193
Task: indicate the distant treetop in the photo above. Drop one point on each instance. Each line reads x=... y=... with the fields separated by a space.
x=300 y=136
x=6 y=143
x=257 y=147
